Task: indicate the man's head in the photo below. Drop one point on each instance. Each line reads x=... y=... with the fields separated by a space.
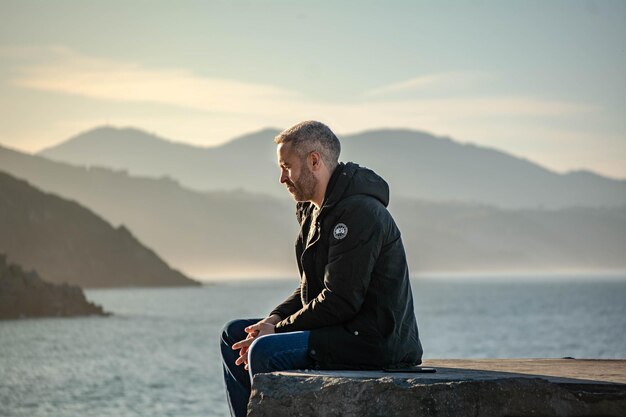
x=308 y=153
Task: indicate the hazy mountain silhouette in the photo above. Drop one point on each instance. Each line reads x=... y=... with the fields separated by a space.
x=466 y=237
x=200 y=233
x=67 y=243
x=416 y=164
x=241 y=233
x=248 y=163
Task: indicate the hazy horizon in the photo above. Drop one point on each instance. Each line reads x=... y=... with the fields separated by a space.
x=569 y=275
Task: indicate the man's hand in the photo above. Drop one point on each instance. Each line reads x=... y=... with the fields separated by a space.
x=262 y=328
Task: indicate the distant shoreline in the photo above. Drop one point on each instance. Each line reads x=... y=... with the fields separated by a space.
x=611 y=275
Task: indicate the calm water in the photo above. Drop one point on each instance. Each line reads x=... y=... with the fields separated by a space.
x=158 y=355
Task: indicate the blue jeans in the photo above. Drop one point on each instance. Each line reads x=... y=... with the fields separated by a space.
x=275 y=352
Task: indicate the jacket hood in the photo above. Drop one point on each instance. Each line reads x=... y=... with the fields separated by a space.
x=347 y=180
x=351 y=179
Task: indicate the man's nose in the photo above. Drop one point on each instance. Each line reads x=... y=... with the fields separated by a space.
x=283 y=177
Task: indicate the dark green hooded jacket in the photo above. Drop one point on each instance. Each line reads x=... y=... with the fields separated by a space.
x=354 y=295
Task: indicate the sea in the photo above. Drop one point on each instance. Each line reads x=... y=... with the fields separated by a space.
x=158 y=354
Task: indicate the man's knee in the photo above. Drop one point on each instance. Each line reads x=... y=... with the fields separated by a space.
x=260 y=354
x=261 y=346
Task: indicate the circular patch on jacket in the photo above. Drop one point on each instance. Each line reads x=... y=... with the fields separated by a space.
x=340 y=231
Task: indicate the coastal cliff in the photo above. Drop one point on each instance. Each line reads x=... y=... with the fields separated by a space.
x=68 y=243
x=25 y=294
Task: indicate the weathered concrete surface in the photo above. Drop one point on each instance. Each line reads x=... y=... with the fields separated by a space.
x=488 y=387
x=604 y=370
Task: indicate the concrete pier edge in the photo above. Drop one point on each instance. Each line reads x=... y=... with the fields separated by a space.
x=480 y=387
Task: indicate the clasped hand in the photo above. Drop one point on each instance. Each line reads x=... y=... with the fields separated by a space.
x=254 y=331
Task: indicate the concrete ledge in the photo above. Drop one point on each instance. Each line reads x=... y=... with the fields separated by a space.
x=490 y=387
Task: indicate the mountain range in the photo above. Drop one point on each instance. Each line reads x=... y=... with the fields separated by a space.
x=417 y=165
x=68 y=243
x=239 y=233
x=203 y=234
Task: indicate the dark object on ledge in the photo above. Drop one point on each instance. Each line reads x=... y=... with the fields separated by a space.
x=411 y=370
x=25 y=294
x=483 y=387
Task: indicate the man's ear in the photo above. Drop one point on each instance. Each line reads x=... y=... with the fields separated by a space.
x=316 y=160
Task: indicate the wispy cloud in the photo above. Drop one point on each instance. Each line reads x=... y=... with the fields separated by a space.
x=68 y=72
x=445 y=80
x=224 y=108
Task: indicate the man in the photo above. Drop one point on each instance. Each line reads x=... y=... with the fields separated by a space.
x=354 y=307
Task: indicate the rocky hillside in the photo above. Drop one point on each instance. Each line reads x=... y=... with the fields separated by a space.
x=68 y=243
x=25 y=294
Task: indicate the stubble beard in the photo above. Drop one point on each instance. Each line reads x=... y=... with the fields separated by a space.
x=303 y=189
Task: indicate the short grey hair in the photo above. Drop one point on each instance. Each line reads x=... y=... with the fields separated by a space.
x=310 y=136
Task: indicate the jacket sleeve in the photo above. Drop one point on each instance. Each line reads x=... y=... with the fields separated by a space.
x=347 y=275
x=292 y=304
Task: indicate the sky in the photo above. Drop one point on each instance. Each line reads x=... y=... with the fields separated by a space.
x=543 y=80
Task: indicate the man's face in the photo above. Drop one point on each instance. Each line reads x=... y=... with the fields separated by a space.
x=295 y=173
